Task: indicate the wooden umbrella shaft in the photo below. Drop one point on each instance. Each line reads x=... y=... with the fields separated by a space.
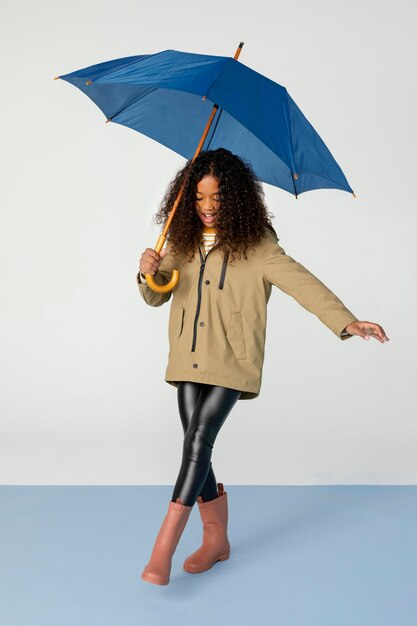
x=162 y=237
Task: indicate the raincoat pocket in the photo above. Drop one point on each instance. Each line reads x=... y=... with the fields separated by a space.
x=236 y=336
x=176 y=322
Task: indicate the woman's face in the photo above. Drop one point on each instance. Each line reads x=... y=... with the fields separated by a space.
x=208 y=200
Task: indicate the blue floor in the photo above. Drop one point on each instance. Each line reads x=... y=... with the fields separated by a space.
x=301 y=556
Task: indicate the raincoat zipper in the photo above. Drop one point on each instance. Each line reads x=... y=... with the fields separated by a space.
x=200 y=280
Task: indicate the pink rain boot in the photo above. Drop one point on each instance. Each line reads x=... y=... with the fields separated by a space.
x=158 y=569
x=216 y=546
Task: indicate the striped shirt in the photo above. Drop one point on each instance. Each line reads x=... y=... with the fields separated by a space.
x=209 y=238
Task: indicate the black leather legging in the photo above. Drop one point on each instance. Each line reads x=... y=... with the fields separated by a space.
x=203 y=410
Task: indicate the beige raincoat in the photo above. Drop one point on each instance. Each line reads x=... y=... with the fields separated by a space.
x=217 y=322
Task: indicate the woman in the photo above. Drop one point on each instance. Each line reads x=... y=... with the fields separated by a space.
x=223 y=244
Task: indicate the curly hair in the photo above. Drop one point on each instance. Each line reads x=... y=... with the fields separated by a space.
x=243 y=216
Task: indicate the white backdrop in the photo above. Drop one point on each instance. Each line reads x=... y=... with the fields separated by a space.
x=83 y=398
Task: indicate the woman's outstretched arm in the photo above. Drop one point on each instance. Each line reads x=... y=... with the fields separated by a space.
x=293 y=278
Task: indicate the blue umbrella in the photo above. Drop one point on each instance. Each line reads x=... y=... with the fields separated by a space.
x=182 y=99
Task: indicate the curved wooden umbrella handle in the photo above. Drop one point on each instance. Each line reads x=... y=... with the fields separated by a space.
x=163 y=288
x=175 y=273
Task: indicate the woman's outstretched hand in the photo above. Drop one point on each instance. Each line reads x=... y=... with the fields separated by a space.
x=367 y=330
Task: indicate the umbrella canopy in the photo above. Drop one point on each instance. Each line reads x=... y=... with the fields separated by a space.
x=168 y=96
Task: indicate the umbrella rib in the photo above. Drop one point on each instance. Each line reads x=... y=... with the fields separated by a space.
x=214 y=129
x=293 y=184
x=221 y=110
x=142 y=95
x=146 y=56
x=290 y=128
x=316 y=173
x=221 y=70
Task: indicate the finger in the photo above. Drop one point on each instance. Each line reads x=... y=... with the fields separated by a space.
x=152 y=268
x=152 y=254
x=149 y=266
x=377 y=334
x=377 y=329
x=156 y=254
x=384 y=333
x=146 y=259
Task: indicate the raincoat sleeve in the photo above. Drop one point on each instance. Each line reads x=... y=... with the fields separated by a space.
x=294 y=279
x=162 y=277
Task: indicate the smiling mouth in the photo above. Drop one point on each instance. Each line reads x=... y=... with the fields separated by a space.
x=209 y=216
